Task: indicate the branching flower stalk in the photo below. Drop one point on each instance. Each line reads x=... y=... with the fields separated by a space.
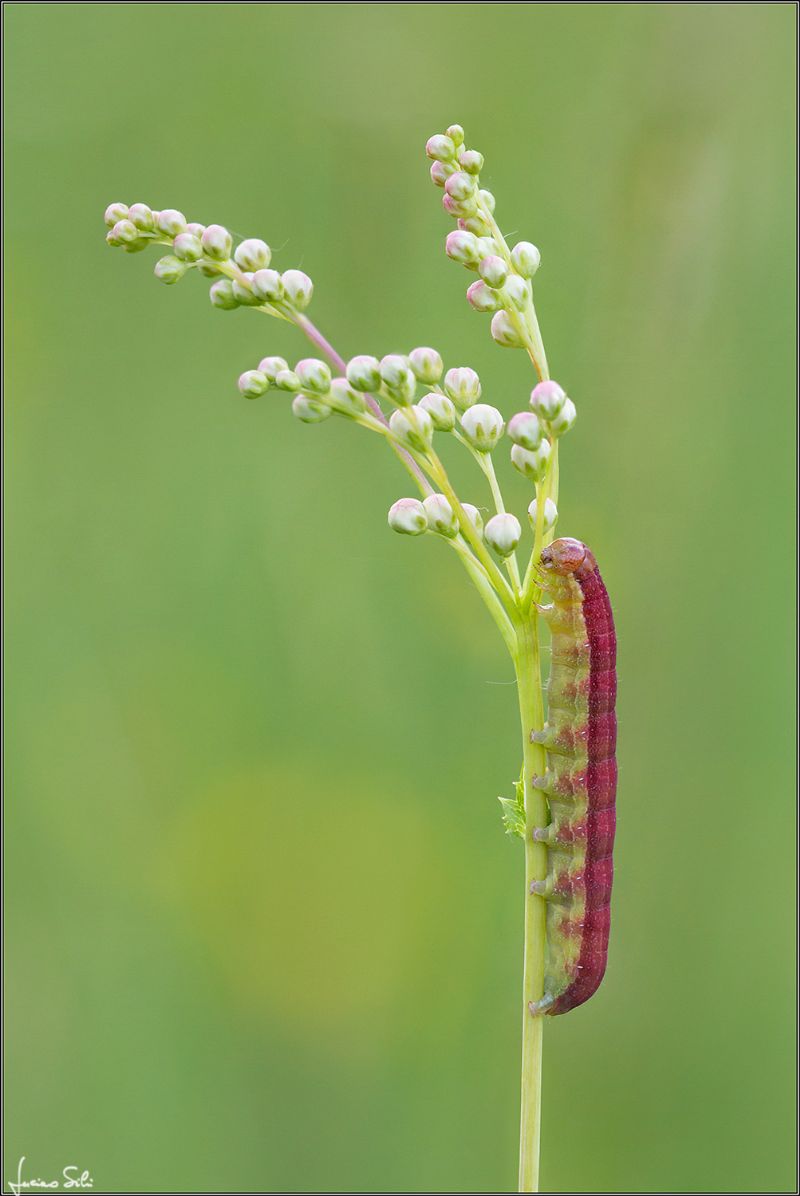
x=363 y=390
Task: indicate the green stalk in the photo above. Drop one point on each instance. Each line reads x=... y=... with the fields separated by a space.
x=531 y=708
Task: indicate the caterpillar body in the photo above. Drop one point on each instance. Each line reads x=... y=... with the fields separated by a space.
x=581 y=779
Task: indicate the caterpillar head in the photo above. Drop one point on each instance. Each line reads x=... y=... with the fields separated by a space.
x=563 y=556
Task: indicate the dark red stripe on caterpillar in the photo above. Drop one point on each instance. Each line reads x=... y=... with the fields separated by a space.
x=581 y=779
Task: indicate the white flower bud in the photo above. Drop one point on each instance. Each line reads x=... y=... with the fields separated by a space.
x=398 y=378
x=426 y=364
x=462 y=247
x=475 y=224
x=364 y=373
x=195 y=229
x=493 y=271
x=547 y=399
x=460 y=186
x=171 y=222
x=140 y=215
x=272 y=366
x=525 y=429
x=243 y=293
x=516 y=289
x=314 y=375
x=298 y=287
x=187 y=247
x=503 y=533
x=504 y=332
x=532 y=464
x=440 y=172
x=441 y=411
x=217 y=243
x=413 y=427
x=124 y=232
x=349 y=400
x=253 y=383
x=287 y=380
x=267 y=285
x=483 y=426
x=440 y=147
x=441 y=517
x=487 y=199
x=458 y=208
x=222 y=296
x=169 y=269
x=252 y=254
x=483 y=298
x=408 y=517
x=487 y=246
x=562 y=422
x=471 y=161
x=474 y=516
x=456 y=135
x=310 y=411
x=525 y=259
x=114 y=213
x=463 y=386
x=550 y=514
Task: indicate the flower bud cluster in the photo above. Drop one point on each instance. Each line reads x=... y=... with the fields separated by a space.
x=503 y=286
x=412 y=517
x=243 y=275
x=316 y=395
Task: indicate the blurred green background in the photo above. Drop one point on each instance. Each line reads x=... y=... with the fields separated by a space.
x=263 y=924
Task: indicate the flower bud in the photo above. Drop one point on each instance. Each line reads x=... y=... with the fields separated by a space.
x=516 y=289
x=474 y=516
x=349 y=400
x=547 y=399
x=252 y=254
x=525 y=429
x=243 y=292
x=314 y=375
x=439 y=173
x=440 y=147
x=195 y=229
x=463 y=386
x=550 y=514
x=169 y=269
x=441 y=411
x=142 y=217
x=364 y=373
x=413 y=427
x=475 y=224
x=503 y=533
x=217 y=243
x=114 y=213
x=124 y=232
x=408 y=517
x=310 y=411
x=462 y=247
x=483 y=426
x=426 y=364
x=252 y=384
x=458 y=208
x=493 y=271
x=460 y=186
x=137 y=246
x=525 y=259
x=272 y=366
x=187 y=247
x=222 y=296
x=456 y=135
x=504 y=332
x=171 y=222
x=482 y=298
x=441 y=517
x=533 y=465
x=398 y=378
x=298 y=287
x=287 y=380
x=487 y=199
x=562 y=422
x=267 y=285
x=471 y=161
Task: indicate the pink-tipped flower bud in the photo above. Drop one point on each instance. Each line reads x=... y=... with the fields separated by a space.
x=547 y=399
x=525 y=258
x=115 y=212
x=460 y=186
x=252 y=384
x=426 y=364
x=440 y=147
x=493 y=270
x=462 y=247
x=471 y=161
x=252 y=254
x=217 y=242
x=504 y=331
x=171 y=222
x=483 y=298
x=524 y=428
x=463 y=386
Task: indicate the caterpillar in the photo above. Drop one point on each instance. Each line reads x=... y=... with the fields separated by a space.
x=580 y=737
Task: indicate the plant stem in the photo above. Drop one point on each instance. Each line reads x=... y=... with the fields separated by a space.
x=531 y=707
